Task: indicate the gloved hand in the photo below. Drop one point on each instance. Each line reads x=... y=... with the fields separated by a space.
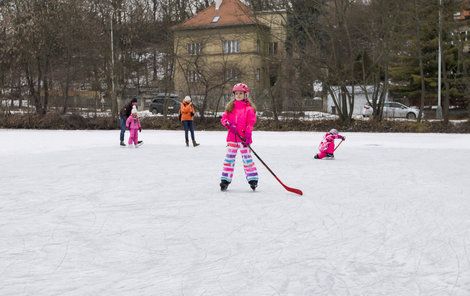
x=140 y=130
x=343 y=138
x=248 y=139
x=231 y=127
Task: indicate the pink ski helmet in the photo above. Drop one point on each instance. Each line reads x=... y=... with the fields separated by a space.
x=241 y=87
x=333 y=131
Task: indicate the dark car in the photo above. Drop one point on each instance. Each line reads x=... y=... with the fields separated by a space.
x=171 y=103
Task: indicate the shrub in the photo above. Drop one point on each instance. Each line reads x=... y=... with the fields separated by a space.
x=58 y=121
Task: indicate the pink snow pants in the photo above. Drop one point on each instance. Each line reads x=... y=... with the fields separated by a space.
x=326 y=148
x=134 y=136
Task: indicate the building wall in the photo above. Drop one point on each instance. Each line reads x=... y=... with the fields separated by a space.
x=276 y=22
x=213 y=59
x=253 y=60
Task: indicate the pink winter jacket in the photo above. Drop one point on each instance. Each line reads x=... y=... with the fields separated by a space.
x=243 y=116
x=133 y=123
x=327 y=144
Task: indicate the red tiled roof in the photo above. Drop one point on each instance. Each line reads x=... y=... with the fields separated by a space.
x=230 y=13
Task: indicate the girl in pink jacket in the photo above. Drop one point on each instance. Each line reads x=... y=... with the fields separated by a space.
x=239 y=118
x=327 y=145
x=133 y=124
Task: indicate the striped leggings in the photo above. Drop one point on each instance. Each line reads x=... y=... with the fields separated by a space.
x=229 y=162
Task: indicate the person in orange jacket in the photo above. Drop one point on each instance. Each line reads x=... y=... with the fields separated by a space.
x=187 y=115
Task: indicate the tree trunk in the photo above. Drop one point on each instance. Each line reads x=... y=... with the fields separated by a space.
x=204 y=103
x=46 y=87
x=18 y=90
x=420 y=59
x=445 y=103
x=67 y=84
x=35 y=94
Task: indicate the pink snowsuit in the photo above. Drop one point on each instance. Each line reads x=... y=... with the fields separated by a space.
x=327 y=145
x=243 y=117
x=133 y=124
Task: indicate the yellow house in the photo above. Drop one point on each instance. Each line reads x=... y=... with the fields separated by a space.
x=225 y=44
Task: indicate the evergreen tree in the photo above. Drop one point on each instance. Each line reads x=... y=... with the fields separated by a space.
x=405 y=70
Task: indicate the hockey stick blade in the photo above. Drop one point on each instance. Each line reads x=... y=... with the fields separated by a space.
x=290 y=189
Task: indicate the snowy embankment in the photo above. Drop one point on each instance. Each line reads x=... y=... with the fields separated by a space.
x=81 y=216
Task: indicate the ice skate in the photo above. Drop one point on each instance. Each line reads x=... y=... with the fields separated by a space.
x=224 y=185
x=253 y=184
x=329 y=156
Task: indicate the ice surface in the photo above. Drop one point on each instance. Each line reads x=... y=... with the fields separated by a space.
x=79 y=215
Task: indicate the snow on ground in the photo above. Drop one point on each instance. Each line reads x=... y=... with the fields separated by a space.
x=81 y=216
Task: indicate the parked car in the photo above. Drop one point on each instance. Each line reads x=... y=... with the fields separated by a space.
x=171 y=102
x=393 y=110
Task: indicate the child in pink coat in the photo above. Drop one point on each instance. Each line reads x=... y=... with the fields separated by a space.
x=327 y=145
x=239 y=118
x=133 y=124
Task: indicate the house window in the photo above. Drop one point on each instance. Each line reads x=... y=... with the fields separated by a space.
x=272 y=48
x=231 y=74
x=231 y=46
x=258 y=74
x=194 y=48
x=193 y=76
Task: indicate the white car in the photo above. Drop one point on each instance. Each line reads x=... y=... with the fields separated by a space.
x=394 y=110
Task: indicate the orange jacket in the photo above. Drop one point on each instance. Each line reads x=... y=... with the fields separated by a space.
x=187 y=111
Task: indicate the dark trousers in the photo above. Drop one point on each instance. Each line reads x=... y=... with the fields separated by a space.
x=188 y=126
x=122 y=124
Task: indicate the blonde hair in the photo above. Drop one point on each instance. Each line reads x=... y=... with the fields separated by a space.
x=229 y=107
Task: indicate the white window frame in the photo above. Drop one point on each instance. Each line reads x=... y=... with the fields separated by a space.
x=273 y=48
x=194 y=48
x=193 y=76
x=231 y=74
x=231 y=46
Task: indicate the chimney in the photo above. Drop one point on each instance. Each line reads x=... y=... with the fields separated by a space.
x=217 y=4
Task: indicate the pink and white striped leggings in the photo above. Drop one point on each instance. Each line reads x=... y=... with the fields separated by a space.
x=229 y=162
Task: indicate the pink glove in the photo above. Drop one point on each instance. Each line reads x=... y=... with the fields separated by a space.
x=231 y=127
x=248 y=139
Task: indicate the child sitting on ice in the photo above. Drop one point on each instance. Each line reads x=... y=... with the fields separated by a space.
x=327 y=145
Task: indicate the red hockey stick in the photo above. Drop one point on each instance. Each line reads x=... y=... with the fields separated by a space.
x=290 y=189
